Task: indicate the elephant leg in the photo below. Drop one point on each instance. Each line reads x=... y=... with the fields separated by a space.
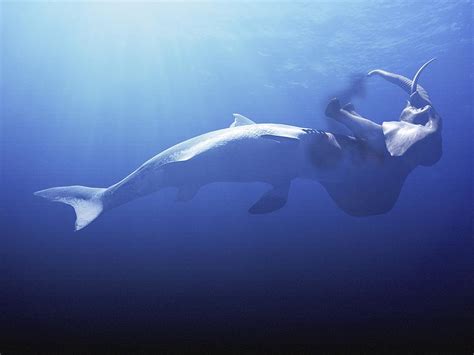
x=361 y=127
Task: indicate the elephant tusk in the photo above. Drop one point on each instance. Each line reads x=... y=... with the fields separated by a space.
x=414 y=83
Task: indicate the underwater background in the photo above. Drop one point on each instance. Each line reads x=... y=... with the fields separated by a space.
x=91 y=90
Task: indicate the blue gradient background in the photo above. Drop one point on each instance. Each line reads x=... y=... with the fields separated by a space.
x=89 y=91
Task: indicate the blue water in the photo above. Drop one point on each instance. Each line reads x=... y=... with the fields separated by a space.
x=89 y=91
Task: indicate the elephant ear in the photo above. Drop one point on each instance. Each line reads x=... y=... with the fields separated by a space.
x=412 y=133
x=401 y=136
x=421 y=143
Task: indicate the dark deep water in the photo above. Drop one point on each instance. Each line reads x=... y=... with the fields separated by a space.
x=89 y=91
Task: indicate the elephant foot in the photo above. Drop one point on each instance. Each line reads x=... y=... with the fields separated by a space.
x=333 y=109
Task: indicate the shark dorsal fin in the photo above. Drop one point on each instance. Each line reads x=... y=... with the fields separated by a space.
x=240 y=120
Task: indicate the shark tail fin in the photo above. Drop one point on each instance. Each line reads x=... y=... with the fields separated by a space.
x=86 y=201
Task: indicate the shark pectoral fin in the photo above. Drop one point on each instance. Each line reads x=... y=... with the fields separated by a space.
x=240 y=120
x=186 y=193
x=271 y=200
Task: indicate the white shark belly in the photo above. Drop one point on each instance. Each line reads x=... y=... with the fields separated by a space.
x=238 y=154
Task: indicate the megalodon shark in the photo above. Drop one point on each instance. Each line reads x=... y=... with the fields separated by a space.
x=363 y=173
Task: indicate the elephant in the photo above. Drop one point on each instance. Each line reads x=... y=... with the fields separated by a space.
x=380 y=157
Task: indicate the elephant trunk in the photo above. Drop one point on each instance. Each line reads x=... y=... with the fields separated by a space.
x=399 y=80
x=409 y=86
